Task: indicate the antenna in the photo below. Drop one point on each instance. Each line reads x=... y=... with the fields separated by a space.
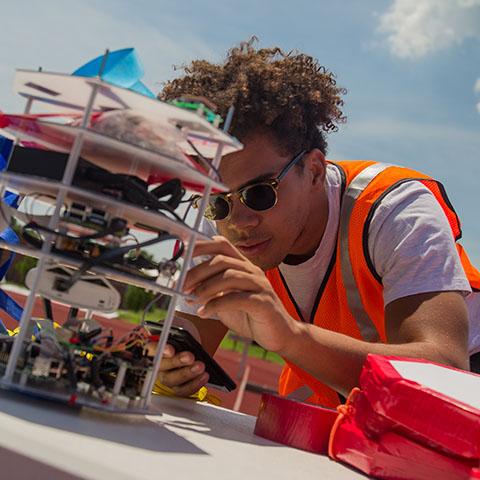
x=228 y=120
x=103 y=64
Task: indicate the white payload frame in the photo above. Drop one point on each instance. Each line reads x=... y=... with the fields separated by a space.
x=87 y=95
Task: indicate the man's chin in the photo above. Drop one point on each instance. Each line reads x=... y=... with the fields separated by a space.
x=264 y=262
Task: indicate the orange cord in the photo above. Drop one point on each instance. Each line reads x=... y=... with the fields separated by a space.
x=343 y=411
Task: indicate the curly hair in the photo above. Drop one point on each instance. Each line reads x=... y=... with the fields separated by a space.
x=287 y=94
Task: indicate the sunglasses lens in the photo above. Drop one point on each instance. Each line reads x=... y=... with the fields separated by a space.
x=259 y=197
x=218 y=208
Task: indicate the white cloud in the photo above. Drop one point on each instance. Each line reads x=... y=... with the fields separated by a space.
x=415 y=28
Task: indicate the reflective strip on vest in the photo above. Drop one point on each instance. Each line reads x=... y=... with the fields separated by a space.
x=301 y=394
x=353 y=191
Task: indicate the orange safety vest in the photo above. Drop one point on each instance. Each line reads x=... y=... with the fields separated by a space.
x=350 y=299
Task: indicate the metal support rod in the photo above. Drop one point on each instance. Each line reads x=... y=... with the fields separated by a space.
x=3 y=187
x=25 y=325
x=241 y=390
x=103 y=64
x=122 y=370
x=26 y=111
x=181 y=280
x=243 y=360
x=232 y=141
x=77 y=146
x=147 y=388
x=12 y=362
x=24 y=321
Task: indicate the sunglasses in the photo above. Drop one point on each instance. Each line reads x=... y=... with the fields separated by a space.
x=261 y=196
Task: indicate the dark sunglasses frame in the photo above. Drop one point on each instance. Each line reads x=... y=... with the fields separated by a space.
x=273 y=183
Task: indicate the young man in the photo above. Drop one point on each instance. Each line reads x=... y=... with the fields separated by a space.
x=359 y=257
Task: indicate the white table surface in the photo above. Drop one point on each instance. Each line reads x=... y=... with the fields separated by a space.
x=43 y=440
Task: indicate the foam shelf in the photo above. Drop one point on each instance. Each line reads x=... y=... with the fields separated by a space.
x=80 y=400
x=110 y=273
x=67 y=92
x=137 y=217
x=108 y=152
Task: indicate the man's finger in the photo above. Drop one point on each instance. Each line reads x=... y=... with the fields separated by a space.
x=179 y=376
x=232 y=301
x=225 y=282
x=169 y=351
x=179 y=360
x=191 y=387
x=217 y=246
x=211 y=267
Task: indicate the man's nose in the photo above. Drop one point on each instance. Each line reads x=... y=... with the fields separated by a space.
x=242 y=217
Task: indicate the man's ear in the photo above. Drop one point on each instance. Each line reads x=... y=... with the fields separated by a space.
x=316 y=164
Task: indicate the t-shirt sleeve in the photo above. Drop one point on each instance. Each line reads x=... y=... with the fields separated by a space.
x=208 y=228
x=411 y=245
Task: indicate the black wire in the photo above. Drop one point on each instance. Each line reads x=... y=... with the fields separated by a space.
x=71 y=367
x=175 y=215
x=116 y=225
x=172 y=187
x=140 y=261
x=72 y=318
x=47 y=304
x=95 y=372
x=150 y=264
x=191 y=199
x=207 y=163
x=132 y=189
x=190 y=204
x=149 y=199
x=115 y=253
x=34 y=242
x=31 y=240
x=150 y=304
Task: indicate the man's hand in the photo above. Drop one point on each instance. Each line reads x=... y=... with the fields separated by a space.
x=229 y=286
x=181 y=373
x=233 y=289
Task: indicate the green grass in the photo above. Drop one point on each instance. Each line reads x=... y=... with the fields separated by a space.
x=136 y=317
x=227 y=343
x=253 y=350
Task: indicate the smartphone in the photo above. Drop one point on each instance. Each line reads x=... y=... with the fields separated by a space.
x=183 y=341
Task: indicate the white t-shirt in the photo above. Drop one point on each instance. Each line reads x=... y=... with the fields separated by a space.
x=410 y=245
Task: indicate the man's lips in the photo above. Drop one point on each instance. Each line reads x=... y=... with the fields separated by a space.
x=253 y=247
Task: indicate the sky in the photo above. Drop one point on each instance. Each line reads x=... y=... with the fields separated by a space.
x=411 y=67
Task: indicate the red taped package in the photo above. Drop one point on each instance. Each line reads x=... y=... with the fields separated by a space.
x=295 y=424
x=412 y=419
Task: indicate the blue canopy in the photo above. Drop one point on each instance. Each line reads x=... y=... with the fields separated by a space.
x=122 y=68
